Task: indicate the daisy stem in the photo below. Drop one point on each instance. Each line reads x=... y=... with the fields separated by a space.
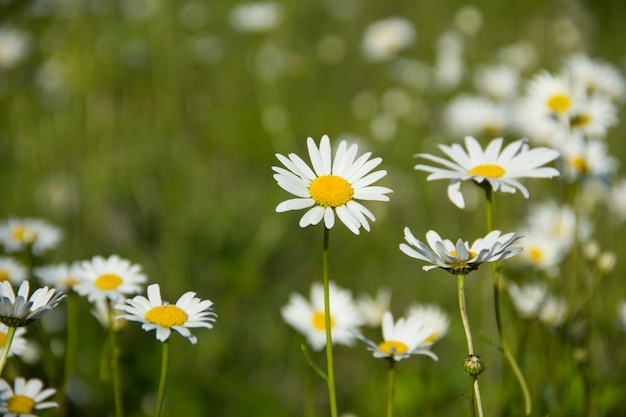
x=506 y=350
x=390 y=387
x=476 y=401
x=327 y=325
x=161 y=392
x=115 y=366
x=72 y=333
x=7 y=345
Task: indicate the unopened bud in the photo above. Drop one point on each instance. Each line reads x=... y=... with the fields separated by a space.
x=474 y=365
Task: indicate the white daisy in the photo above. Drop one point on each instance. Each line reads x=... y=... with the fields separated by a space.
x=373 y=309
x=559 y=222
x=61 y=276
x=112 y=278
x=308 y=317
x=406 y=337
x=20 y=310
x=332 y=186
x=384 y=39
x=499 y=82
x=501 y=168
x=19 y=234
x=432 y=318
x=554 y=311
x=155 y=314
x=460 y=258
x=24 y=398
x=583 y=158
x=11 y=270
x=18 y=343
x=551 y=94
x=472 y=115
x=527 y=299
x=593 y=116
x=543 y=250
x=597 y=78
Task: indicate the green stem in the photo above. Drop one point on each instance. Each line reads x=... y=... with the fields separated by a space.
x=115 y=366
x=72 y=333
x=161 y=392
x=390 y=387
x=7 y=345
x=327 y=325
x=506 y=350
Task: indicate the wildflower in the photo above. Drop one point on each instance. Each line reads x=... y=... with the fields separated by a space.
x=111 y=278
x=553 y=311
x=25 y=397
x=527 y=299
x=406 y=337
x=543 y=251
x=14 y=45
x=18 y=344
x=597 y=78
x=553 y=95
x=20 y=310
x=373 y=309
x=11 y=270
x=383 y=39
x=498 y=82
x=501 y=169
x=155 y=314
x=308 y=317
x=333 y=186
x=460 y=258
x=586 y=158
x=61 y=276
x=475 y=116
x=593 y=116
x=19 y=234
x=432 y=318
x=256 y=17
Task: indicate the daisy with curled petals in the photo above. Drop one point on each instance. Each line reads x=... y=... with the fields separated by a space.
x=155 y=314
x=25 y=397
x=500 y=168
x=460 y=258
x=333 y=186
x=111 y=278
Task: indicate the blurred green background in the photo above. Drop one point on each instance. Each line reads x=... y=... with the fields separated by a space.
x=148 y=128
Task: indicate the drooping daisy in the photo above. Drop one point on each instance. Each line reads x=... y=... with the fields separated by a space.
x=24 y=398
x=432 y=318
x=307 y=316
x=61 y=276
x=18 y=344
x=112 y=278
x=372 y=308
x=155 y=314
x=384 y=39
x=405 y=337
x=501 y=168
x=332 y=186
x=11 y=270
x=527 y=298
x=460 y=258
x=18 y=234
x=20 y=310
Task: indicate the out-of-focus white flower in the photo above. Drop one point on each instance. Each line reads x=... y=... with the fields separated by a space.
x=498 y=82
x=113 y=278
x=586 y=158
x=14 y=46
x=542 y=250
x=554 y=311
x=383 y=39
x=373 y=309
x=12 y=270
x=468 y=20
x=61 y=276
x=521 y=55
x=433 y=318
x=449 y=64
x=18 y=234
x=560 y=222
x=593 y=116
x=257 y=17
x=596 y=77
x=552 y=95
x=475 y=116
x=527 y=299
x=616 y=200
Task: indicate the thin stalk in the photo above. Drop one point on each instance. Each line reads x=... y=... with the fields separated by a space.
x=161 y=393
x=7 y=345
x=327 y=325
x=390 y=387
x=72 y=338
x=115 y=367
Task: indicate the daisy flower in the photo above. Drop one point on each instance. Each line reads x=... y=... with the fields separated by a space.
x=111 y=278
x=500 y=168
x=543 y=250
x=18 y=343
x=597 y=78
x=499 y=82
x=332 y=186
x=155 y=314
x=61 y=276
x=25 y=397
x=20 y=310
x=19 y=234
x=554 y=311
x=372 y=308
x=383 y=39
x=551 y=94
x=11 y=270
x=475 y=116
x=405 y=337
x=586 y=158
x=527 y=299
x=593 y=116
x=460 y=258
x=308 y=317
x=433 y=318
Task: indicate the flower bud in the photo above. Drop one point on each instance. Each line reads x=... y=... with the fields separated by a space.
x=474 y=365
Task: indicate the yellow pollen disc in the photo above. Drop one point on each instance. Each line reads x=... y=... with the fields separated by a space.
x=536 y=254
x=579 y=120
x=166 y=316
x=3 y=338
x=20 y=404
x=472 y=254
x=393 y=347
x=559 y=103
x=431 y=338
x=18 y=233
x=488 y=170
x=331 y=191
x=319 y=321
x=579 y=163
x=107 y=282
x=68 y=282
x=4 y=275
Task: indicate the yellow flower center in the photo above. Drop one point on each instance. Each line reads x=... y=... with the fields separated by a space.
x=166 y=316
x=559 y=103
x=4 y=275
x=319 y=321
x=68 y=282
x=108 y=282
x=472 y=254
x=393 y=347
x=579 y=164
x=488 y=170
x=20 y=404
x=331 y=191
x=3 y=339
x=579 y=120
x=536 y=254
x=23 y=234
x=431 y=338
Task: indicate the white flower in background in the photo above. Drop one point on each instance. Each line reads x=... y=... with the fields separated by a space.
x=593 y=117
x=552 y=95
x=521 y=55
x=560 y=222
x=19 y=234
x=500 y=168
x=14 y=46
x=18 y=344
x=554 y=311
x=468 y=20
x=474 y=115
x=256 y=17
x=498 y=82
x=449 y=65
x=24 y=398
x=405 y=337
x=460 y=258
x=385 y=38
x=527 y=299
x=616 y=200
x=332 y=186
x=61 y=276
x=113 y=278
x=373 y=309
x=12 y=270
x=107 y=316
x=20 y=310
x=543 y=250
x=308 y=318
x=597 y=78
x=586 y=158
x=432 y=318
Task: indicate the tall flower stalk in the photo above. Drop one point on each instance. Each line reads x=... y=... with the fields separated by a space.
x=328 y=327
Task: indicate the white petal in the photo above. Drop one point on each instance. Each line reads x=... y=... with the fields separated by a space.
x=454 y=193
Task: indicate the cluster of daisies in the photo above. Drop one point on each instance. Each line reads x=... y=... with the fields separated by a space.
x=107 y=283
